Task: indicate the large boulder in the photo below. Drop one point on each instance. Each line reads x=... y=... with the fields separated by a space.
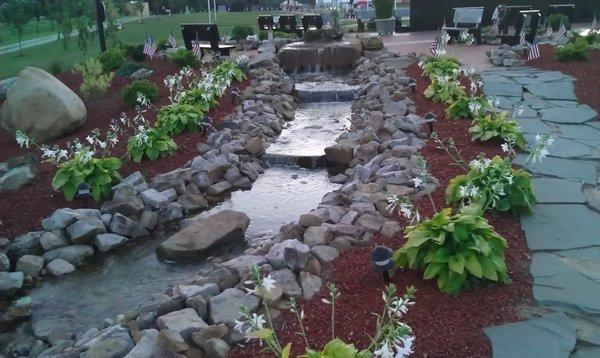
x=205 y=235
x=41 y=106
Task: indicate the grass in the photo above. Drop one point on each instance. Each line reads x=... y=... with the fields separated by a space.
x=8 y=35
x=43 y=56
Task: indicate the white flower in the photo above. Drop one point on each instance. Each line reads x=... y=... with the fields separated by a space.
x=114 y=140
x=509 y=178
x=417 y=182
x=440 y=52
x=268 y=283
x=384 y=351
x=250 y=291
x=420 y=64
x=406 y=210
x=22 y=139
x=479 y=164
x=325 y=301
x=302 y=315
x=257 y=321
x=498 y=189
x=406 y=349
x=62 y=154
x=505 y=147
x=239 y=326
x=474 y=107
x=102 y=144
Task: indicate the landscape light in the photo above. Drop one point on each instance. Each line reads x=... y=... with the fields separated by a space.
x=430 y=119
x=83 y=190
x=381 y=261
x=412 y=83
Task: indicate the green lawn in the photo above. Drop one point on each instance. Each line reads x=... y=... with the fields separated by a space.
x=44 y=56
x=8 y=35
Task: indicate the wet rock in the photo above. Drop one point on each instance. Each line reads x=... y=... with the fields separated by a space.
x=325 y=253
x=254 y=146
x=216 y=348
x=4 y=262
x=339 y=155
x=163 y=304
x=59 y=267
x=338 y=179
x=317 y=235
x=122 y=225
x=17 y=172
x=154 y=198
x=311 y=284
x=204 y=334
x=116 y=344
x=60 y=219
x=207 y=290
x=192 y=202
x=172 y=341
x=233 y=174
x=290 y=253
x=311 y=219
x=149 y=220
x=148 y=346
x=54 y=239
x=74 y=254
x=10 y=283
x=30 y=265
x=170 y=212
x=185 y=322
x=85 y=229
x=26 y=244
x=370 y=223
x=286 y=280
x=219 y=188
x=107 y=242
x=205 y=235
x=200 y=304
x=224 y=308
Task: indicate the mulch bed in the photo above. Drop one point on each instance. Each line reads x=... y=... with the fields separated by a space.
x=444 y=326
x=587 y=74
x=23 y=209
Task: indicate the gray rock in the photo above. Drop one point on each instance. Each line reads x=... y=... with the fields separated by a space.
x=117 y=344
x=317 y=235
x=286 y=280
x=10 y=283
x=339 y=155
x=185 y=322
x=390 y=228
x=558 y=90
x=350 y=217
x=204 y=334
x=502 y=89
x=552 y=190
x=124 y=201
x=200 y=304
x=85 y=229
x=216 y=347
x=172 y=341
x=579 y=170
x=243 y=264
x=170 y=212
x=142 y=74
x=17 y=172
x=311 y=284
x=4 y=262
x=219 y=188
x=192 y=202
x=122 y=225
x=30 y=265
x=148 y=346
x=26 y=244
x=311 y=219
x=325 y=253
x=347 y=230
x=225 y=307
x=149 y=220
x=205 y=235
x=51 y=240
x=569 y=115
x=341 y=243
x=59 y=267
x=206 y=290
x=291 y=253
x=107 y=242
x=154 y=198
x=370 y=223
x=75 y=254
x=60 y=219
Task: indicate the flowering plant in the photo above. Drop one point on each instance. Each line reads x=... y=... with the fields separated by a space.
x=467 y=107
x=177 y=117
x=444 y=88
x=497 y=126
x=466 y=38
x=457 y=250
x=151 y=142
x=440 y=66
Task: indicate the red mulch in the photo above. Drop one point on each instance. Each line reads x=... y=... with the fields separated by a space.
x=444 y=326
x=587 y=74
x=23 y=209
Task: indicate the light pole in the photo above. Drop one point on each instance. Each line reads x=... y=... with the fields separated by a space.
x=100 y=16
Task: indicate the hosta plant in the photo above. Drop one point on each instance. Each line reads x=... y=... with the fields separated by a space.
x=199 y=98
x=497 y=126
x=441 y=66
x=176 y=118
x=152 y=143
x=230 y=70
x=444 y=89
x=493 y=184
x=457 y=250
x=467 y=107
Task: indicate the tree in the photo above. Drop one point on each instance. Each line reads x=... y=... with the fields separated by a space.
x=16 y=13
x=139 y=7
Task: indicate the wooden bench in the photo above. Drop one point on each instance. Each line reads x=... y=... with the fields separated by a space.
x=312 y=22
x=364 y=16
x=288 y=23
x=402 y=15
x=265 y=23
x=207 y=35
x=466 y=19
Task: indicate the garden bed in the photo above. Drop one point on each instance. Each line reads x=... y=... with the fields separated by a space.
x=587 y=74
x=444 y=326
x=23 y=209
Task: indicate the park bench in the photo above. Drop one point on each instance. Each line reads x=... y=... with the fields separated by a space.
x=466 y=19
x=565 y=9
x=509 y=15
x=207 y=35
x=288 y=23
x=527 y=22
x=402 y=15
x=312 y=22
x=364 y=16
x=266 y=23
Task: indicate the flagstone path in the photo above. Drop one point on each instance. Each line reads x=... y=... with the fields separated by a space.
x=563 y=233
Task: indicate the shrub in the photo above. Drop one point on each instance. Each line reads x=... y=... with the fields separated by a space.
x=146 y=88
x=162 y=44
x=441 y=66
x=322 y=35
x=112 y=59
x=467 y=107
x=493 y=184
x=457 y=250
x=176 y=118
x=197 y=97
x=152 y=143
x=135 y=52
x=497 y=126
x=56 y=67
x=229 y=70
x=184 y=58
x=263 y=35
x=444 y=89
x=555 y=20
x=128 y=68
x=383 y=8
x=240 y=32
x=94 y=81
x=573 y=51
x=100 y=174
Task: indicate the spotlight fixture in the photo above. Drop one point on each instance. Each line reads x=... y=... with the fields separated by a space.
x=84 y=190
x=430 y=119
x=412 y=83
x=381 y=261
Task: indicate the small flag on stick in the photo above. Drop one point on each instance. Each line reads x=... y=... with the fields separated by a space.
x=549 y=31
x=150 y=47
x=172 y=41
x=522 y=38
x=595 y=23
x=435 y=45
x=494 y=30
x=196 y=49
x=534 y=52
x=562 y=30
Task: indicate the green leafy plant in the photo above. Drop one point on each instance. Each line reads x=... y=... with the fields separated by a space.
x=337 y=348
x=263 y=35
x=135 y=52
x=444 y=89
x=441 y=66
x=241 y=32
x=162 y=44
x=493 y=184
x=467 y=107
x=198 y=98
x=229 y=70
x=152 y=143
x=383 y=8
x=112 y=59
x=322 y=35
x=556 y=19
x=184 y=58
x=95 y=82
x=147 y=89
x=56 y=67
x=497 y=126
x=176 y=118
x=457 y=250
x=128 y=68
x=573 y=51
x=99 y=173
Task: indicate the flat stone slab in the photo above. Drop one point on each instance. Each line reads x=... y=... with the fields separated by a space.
x=553 y=190
x=561 y=168
x=566 y=281
x=561 y=227
x=578 y=132
x=559 y=90
x=587 y=352
x=572 y=115
x=550 y=336
x=532 y=125
x=567 y=148
x=503 y=89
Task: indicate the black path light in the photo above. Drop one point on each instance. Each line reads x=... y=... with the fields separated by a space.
x=235 y=95
x=430 y=118
x=412 y=83
x=381 y=261
x=84 y=190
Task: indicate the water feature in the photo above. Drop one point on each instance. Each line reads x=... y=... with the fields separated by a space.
x=120 y=281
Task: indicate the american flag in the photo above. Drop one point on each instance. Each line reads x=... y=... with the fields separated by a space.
x=534 y=52
x=435 y=45
x=522 y=38
x=494 y=30
x=171 y=40
x=549 y=31
x=595 y=23
x=496 y=14
x=562 y=30
x=150 y=47
x=196 y=48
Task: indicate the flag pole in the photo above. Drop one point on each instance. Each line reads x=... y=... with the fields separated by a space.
x=215 y=9
x=209 y=18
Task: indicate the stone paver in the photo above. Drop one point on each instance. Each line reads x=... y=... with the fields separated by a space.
x=554 y=190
